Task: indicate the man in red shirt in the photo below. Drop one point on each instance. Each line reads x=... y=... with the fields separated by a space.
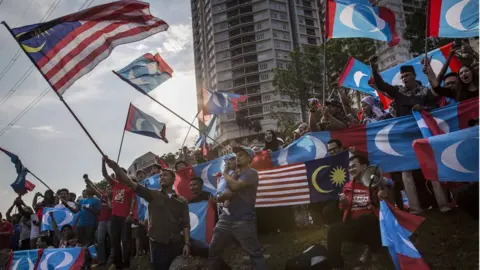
x=121 y=220
x=6 y=231
x=360 y=222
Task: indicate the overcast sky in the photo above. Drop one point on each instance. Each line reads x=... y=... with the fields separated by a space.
x=48 y=139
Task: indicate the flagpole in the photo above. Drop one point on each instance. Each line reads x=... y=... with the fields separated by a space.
x=427 y=26
x=324 y=70
x=58 y=95
x=168 y=109
x=189 y=128
x=123 y=135
x=40 y=180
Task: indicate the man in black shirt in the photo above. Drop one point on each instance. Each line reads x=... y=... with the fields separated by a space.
x=196 y=187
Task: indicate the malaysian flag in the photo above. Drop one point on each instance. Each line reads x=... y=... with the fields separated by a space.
x=69 y=47
x=283 y=185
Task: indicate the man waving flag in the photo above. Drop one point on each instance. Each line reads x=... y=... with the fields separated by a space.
x=69 y=47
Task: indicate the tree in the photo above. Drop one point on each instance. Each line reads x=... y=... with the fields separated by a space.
x=303 y=78
x=169 y=159
x=286 y=124
x=415 y=33
x=102 y=184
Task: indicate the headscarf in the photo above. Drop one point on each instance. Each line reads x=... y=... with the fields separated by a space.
x=272 y=145
x=376 y=113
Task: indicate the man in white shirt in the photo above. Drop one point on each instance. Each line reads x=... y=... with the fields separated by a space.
x=64 y=195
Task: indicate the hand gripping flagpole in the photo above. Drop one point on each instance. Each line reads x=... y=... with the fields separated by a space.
x=58 y=95
x=159 y=103
x=123 y=135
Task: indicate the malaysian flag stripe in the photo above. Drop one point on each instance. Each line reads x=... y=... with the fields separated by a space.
x=98 y=55
x=69 y=47
x=284 y=185
x=283 y=180
x=80 y=33
x=282 y=168
x=301 y=198
x=278 y=193
x=282 y=174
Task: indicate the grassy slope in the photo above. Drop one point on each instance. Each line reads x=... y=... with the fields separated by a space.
x=445 y=242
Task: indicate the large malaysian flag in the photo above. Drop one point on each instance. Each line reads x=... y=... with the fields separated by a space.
x=283 y=185
x=69 y=47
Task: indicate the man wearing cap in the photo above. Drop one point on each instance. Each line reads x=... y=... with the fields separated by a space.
x=240 y=224
x=411 y=96
x=168 y=217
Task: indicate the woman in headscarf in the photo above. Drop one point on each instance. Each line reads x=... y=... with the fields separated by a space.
x=271 y=142
x=371 y=111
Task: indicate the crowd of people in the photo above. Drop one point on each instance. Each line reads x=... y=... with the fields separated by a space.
x=109 y=217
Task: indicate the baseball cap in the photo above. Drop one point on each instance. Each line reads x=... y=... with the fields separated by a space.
x=249 y=151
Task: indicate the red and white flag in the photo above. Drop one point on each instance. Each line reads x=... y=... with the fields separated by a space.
x=69 y=47
x=283 y=185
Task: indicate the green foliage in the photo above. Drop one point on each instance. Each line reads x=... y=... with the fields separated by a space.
x=102 y=184
x=415 y=33
x=286 y=124
x=169 y=159
x=303 y=78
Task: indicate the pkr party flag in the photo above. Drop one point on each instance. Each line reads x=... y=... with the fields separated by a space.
x=62 y=259
x=202 y=221
x=327 y=176
x=62 y=216
x=220 y=102
x=453 y=18
x=452 y=157
x=439 y=57
x=356 y=75
x=24 y=259
x=396 y=227
x=21 y=186
x=146 y=72
x=69 y=47
x=359 y=19
x=141 y=123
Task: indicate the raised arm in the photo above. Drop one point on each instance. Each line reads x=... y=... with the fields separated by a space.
x=445 y=66
x=123 y=178
x=55 y=226
x=382 y=86
x=109 y=179
x=9 y=212
x=427 y=69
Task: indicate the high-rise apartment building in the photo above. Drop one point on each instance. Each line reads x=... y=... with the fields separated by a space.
x=392 y=56
x=238 y=43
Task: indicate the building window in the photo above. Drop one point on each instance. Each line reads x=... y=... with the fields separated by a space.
x=284 y=26
x=277 y=44
x=259 y=26
x=260 y=36
x=260 y=47
x=264 y=86
x=264 y=76
x=263 y=66
x=266 y=97
x=223 y=26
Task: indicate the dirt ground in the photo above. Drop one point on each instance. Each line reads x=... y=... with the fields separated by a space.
x=445 y=242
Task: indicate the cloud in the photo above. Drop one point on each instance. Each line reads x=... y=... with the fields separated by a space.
x=178 y=38
x=48 y=129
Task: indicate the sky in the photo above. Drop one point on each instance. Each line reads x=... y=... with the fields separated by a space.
x=50 y=142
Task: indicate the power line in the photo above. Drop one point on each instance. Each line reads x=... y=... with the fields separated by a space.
x=28 y=108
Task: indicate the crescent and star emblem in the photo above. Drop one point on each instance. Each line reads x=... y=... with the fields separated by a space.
x=31 y=49
x=337 y=177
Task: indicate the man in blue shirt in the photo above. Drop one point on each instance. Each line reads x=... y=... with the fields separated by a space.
x=240 y=223
x=89 y=209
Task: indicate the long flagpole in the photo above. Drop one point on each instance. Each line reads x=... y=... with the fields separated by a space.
x=427 y=26
x=40 y=180
x=123 y=134
x=168 y=109
x=59 y=96
x=189 y=128
x=324 y=70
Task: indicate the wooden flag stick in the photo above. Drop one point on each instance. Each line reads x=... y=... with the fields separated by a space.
x=59 y=96
x=123 y=135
